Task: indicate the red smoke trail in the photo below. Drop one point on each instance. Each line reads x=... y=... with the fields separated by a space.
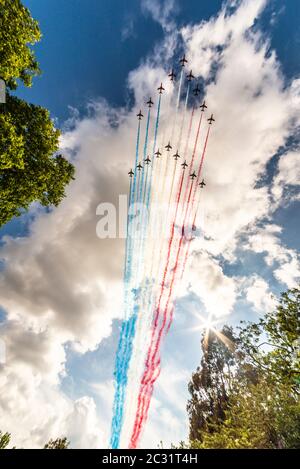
x=201 y=165
x=186 y=256
x=193 y=200
x=152 y=363
x=188 y=209
x=197 y=208
x=193 y=154
x=169 y=249
x=196 y=140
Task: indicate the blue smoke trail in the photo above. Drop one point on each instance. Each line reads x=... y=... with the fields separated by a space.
x=126 y=327
x=124 y=352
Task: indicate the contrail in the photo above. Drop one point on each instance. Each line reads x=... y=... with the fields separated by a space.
x=126 y=326
x=124 y=352
x=152 y=363
x=152 y=265
x=152 y=366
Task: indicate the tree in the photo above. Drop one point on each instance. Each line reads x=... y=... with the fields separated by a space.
x=28 y=169
x=262 y=415
x=260 y=405
x=4 y=440
x=211 y=383
x=59 y=443
x=17 y=30
x=272 y=345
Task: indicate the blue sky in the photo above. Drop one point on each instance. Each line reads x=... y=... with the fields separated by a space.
x=88 y=49
x=61 y=289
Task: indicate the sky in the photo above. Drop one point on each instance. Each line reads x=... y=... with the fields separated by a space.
x=61 y=286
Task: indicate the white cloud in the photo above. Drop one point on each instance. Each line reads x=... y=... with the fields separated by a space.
x=161 y=12
x=289 y=272
x=205 y=278
x=284 y=261
x=258 y=293
x=288 y=174
x=203 y=40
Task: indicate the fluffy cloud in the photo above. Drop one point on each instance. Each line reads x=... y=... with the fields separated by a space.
x=288 y=175
x=161 y=13
x=61 y=284
x=258 y=293
x=284 y=261
x=204 y=42
x=206 y=279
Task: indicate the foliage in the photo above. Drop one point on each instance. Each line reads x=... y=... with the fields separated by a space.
x=59 y=443
x=263 y=415
x=28 y=169
x=250 y=398
x=211 y=383
x=17 y=31
x=4 y=440
x=272 y=345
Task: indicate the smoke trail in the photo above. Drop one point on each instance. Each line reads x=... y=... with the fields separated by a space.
x=140 y=415
x=187 y=251
x=201 y=164
x=148 y=283
x=179 y=144
x=151 y=367
x=153 y=151
x=126 y=326
x=141 y=198
x=198 y=204
x=124 y=352
x=177 y=105
x=184 y=115
x=189 y=134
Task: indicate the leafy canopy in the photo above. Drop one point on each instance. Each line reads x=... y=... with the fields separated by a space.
x=248 y=395
x=18 y=30
x=4 y=440
x=59 y=443
x=29 y=168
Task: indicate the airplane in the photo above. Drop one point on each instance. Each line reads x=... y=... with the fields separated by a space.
x=176 y=156
x=196 y=90
x=147 y=160
x=172 y=75
x=202 y=184
x=168 y=147
x=140 y=115
x=131 y=173
x=139 y=166
x=160 y=89
x=157 y=153
x=150 y=102
x=183 y=61
x=203 y=106
x=190 y=76
x=184 y=164
x=193 y=175
x=211 y=119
